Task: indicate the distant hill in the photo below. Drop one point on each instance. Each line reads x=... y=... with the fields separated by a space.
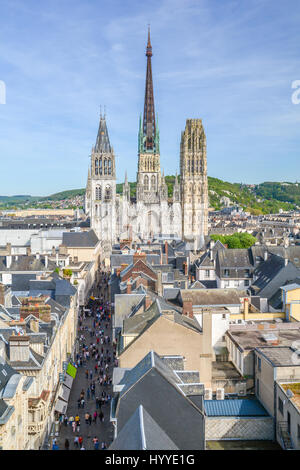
x=65 y=195
x=264 y=198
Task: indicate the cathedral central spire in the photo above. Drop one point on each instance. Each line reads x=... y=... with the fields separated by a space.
x=149 y=127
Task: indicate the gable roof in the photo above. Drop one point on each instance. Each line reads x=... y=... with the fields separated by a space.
x=80 y=239
x=141 y=432
x=155 y=386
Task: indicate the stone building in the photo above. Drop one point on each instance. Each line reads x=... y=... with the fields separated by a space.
x=152 y=212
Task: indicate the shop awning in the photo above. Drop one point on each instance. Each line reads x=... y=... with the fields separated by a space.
x=71 y=370
x=68 y=381
x=64 y=392
x=61 y=406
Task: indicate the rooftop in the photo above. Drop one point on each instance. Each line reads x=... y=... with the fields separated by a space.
x=279 y=356
x=257 y=338
x=294 y=387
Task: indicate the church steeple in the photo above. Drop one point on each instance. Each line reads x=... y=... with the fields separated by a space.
x=102 y=142
x=149 y=136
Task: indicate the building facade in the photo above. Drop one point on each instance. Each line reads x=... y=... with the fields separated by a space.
x=151 y=213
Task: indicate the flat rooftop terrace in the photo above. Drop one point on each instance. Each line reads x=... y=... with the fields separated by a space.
x=256 y=338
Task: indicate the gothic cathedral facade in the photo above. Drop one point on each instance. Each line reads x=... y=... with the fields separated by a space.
x=151 y=213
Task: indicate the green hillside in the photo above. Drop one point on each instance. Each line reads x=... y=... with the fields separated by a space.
x=264 y=198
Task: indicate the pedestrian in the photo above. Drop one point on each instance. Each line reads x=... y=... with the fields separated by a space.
x=101 y=416
x=80 y=440
x=96 y=443
x=67 y=444
x=82 y=403
x=95 y=416
x=76 y=443
x=90 y=419
x=74 y=424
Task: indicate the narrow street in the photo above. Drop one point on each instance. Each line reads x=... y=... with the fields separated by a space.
x=94 y=328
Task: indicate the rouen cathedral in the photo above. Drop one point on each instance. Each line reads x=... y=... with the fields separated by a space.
x=151 y=213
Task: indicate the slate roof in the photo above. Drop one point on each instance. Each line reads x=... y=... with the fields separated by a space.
x=138 y=324
x=26 y=263
x=80 y=239
x=20 y=282
x=207 y=297
x=152 y=384
x=235 y=258
x=141 y=432
x=116 y=260
x=271 y=275
x=6 y=372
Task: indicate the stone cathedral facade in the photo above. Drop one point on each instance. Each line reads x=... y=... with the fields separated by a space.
x=151 y=213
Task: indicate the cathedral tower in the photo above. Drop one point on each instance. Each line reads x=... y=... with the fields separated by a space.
x=194 y=188
x=148 y=176
x=103 y=187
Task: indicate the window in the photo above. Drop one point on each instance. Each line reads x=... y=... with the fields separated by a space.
x=146 y=183
x=226 y=272
x=257 y=387
x=105 y=166
x=259 y=363
x=100 y=167
x=153 y=182
x=98 y=193
x=246 y=282
x=96 y=166
x=207 y=273
x=107 y=193
x=109 y=166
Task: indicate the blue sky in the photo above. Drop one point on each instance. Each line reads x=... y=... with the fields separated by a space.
x=229 y=62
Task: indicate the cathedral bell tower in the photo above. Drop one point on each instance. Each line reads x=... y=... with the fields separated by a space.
x=148 y=175
x=103 y=187
x=194 y=187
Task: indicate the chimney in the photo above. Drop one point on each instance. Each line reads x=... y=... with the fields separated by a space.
x=128 y=287
x=139 y=256
x=187 y=308
x=265 y=255
x=46 y=261
x=246 y=308
x=56 y=259
x=159 y=283
x=211 y=255
x=37 y=255
x=167 y=250
x=185 y=267
x=34 y=325
x=2 y=294
x=28 y=251
x=148 y=302
x=8 y=261
x=53 y=251
x=19 y=348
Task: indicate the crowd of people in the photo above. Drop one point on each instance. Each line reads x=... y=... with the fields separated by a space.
x=96 y=357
